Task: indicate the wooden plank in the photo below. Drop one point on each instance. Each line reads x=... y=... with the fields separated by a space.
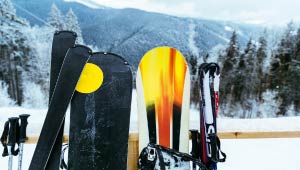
x=259 y=135
x=133 y=137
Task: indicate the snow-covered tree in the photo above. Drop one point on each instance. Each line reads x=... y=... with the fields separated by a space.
x=229 y=70
x=262 y=54
x=73 y=25
x=246 y=80
x=287 y=41
x=297 y=46
x=40 y=41
x=33 y=95
x=13 y=51
x=5 y=99
x=284 y=72
x=232 y=52
x=55 y=18
x=7 y=9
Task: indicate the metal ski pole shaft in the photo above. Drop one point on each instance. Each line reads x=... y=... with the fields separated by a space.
x=12 y=139
x=22 y=137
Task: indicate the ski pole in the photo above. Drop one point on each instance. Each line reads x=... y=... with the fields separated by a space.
x=22 y=137
x=195 y=146
x=12 y=139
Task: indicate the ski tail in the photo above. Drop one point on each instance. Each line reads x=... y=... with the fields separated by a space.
x=210 y=152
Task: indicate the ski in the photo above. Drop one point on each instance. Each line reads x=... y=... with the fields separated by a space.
x=209 y=92
x=69 y=74
x=62 y=41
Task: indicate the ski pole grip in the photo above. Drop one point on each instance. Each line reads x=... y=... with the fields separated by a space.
x=12 y=134
x=23 y=127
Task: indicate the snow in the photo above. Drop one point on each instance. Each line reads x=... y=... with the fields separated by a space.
x=246 y=154
x=33 y=95
x=192 y=44
x=261 y=154
x=88 y=3
x=4 y=96
x=228 y=28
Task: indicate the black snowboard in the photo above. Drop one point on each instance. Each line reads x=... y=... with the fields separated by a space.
x=99 y=125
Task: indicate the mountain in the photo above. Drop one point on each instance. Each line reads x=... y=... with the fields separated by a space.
x=132 y=32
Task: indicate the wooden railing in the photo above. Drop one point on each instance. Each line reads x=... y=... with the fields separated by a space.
x=133 y=148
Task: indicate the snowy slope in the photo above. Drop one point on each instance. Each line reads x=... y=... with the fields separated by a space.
x=131 y=32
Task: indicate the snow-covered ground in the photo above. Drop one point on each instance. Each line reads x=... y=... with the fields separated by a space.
x=243 y=154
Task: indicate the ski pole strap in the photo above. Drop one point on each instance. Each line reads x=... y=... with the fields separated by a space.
x=215 y=149
x=4 y=138
x=63 y=164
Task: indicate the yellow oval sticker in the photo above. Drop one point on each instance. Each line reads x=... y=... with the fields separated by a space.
x=90 y=79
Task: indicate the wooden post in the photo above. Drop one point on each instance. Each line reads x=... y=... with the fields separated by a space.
x=133 y=151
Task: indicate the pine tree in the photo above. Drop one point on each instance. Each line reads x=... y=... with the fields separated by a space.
x=287 y=41
x=294 y=74
x=55 y=18
x=283 y=71
x=232 y=53
x=7 y=9
x=229 y=70
x=297 y=47
x=13 y=51
x=246 y=72
x=245 y=80
x=261 y=56
x=193 y=64
x=73 y=25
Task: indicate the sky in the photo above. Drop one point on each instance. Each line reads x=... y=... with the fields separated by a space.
x=265 y=12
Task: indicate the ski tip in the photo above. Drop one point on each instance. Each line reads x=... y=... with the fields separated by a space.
x=108 y=53
x=65 y=31
x=83 y=46
x=24 y=115
x=13 y=118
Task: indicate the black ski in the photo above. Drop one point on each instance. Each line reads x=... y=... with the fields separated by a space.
x=209 y=74
x=62 y=41
x=70 y=72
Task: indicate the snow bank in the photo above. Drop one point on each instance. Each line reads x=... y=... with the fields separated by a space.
x=224 y=124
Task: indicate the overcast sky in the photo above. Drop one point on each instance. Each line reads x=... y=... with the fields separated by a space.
x=267 y=12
